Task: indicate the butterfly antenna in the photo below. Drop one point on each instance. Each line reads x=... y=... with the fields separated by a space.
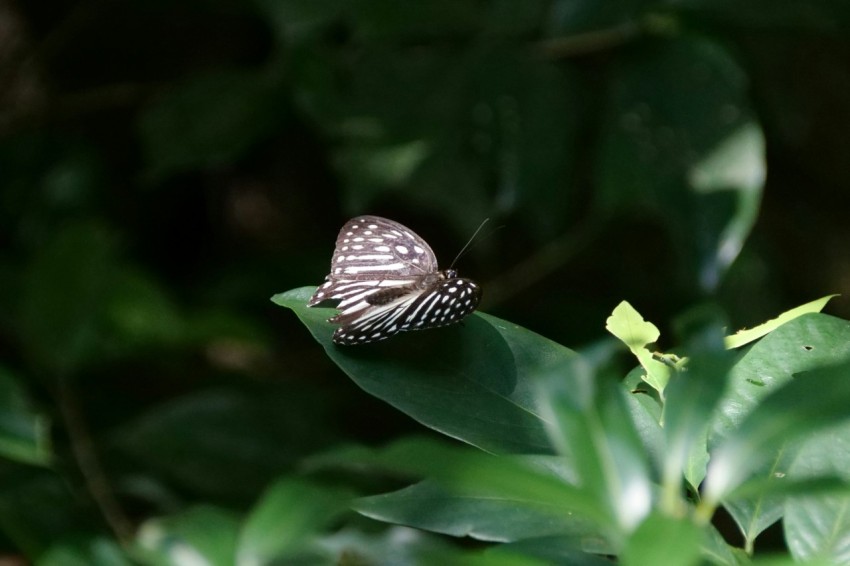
x=468 y=243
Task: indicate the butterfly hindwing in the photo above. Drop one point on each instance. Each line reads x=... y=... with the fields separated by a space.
x=446 y=303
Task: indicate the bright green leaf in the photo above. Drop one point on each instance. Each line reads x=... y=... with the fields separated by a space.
x=629 y=326
x=811 y=402
x=743 y=337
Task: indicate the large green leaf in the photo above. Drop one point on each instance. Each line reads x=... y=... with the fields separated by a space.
x=807 y=342
x=534 y=485
x=807 y=405
x=681 y=143
x=472 y=381
x=818 y=526
x=477 y=513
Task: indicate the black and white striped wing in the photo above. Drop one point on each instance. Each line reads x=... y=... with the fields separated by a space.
x=373 y=253
x=446 y=302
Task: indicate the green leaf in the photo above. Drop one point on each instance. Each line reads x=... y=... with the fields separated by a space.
x=645 y=413
x=806 y=342
x=810 y=403
x=559 y=550
x=471 y=381
x=817 y=526
x=663 y=540
x=24 y=434
x=743 y=337
x=759 y=504
x=604 y=448
x=681 y=144
x=400 y=546
x=629 y=326
x=691 y=400
x=203 y=535
x=287 y=518
x=476 y=513
x=531 y=482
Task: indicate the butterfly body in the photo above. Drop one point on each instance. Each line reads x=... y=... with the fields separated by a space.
x=386 y=280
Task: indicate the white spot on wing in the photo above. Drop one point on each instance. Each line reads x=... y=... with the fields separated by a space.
x=387 y=267
x=401 y=249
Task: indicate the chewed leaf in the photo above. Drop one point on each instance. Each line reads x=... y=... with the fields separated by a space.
x=629 y=326
x=743 y=337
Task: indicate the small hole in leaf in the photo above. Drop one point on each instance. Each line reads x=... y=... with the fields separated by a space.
x=808 y=348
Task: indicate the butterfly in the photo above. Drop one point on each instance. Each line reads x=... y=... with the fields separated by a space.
x=386 y=280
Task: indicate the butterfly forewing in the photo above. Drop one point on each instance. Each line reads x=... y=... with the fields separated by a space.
x=386 y=281
x=373 y=252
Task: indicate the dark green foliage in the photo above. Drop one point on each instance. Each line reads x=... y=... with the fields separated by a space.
x=165 y=167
